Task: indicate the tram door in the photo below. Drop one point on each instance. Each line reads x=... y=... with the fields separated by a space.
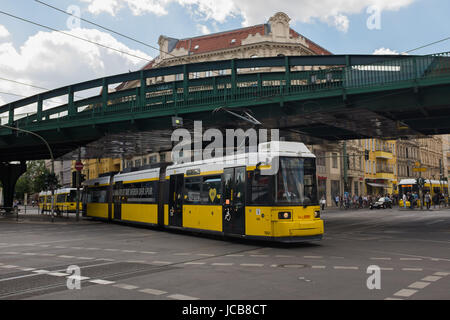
x=117 y=200
x=234 y=201
x=176 y=200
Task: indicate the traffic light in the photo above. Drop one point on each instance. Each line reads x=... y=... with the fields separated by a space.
x=366 y=154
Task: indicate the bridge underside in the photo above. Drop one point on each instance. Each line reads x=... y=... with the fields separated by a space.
x=388 y=115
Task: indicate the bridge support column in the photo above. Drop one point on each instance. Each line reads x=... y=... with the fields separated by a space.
x=9 y=174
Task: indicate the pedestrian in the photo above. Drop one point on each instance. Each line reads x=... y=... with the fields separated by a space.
x=323 y=202
x=404 y=198
x=428 y=200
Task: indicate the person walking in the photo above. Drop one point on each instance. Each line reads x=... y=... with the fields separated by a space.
x=323 y=203
x=428 y=200
x=404 y=198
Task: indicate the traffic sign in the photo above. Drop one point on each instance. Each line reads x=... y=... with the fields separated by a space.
x=420 y=169
x=79 y=166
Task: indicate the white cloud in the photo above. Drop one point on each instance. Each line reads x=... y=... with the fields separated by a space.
x=52 y=60
x=385 y=51
x=333 y=12
x=203 y=29
x=4 y=33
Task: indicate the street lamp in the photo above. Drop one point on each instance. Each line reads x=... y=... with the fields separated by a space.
x=51 y=156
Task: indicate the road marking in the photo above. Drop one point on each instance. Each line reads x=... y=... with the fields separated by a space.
x=393 y=299
x=30 y=254
x=380 y=258
x=205 y=254
x=125 y=286
x=67 y=257
x=129 y=251
x=195 y=263
x=431 y=278
x=8 y=266
x=147 y=252
x=85 y=258
x=405 y=293
x=412 y=269
x=41 y=271
x=313 y=257
x=259 y=255
x=222 y=264
x=386 y=269
x=100 y=281
x=181 y=254
x=111 y=249
x=162 y=262
x=234 y=255
x=346 y=268
x=181 y=297
x=58 y=274
x=136 y=261
x=47 y=254
x=27 y=269
x=283 y=256
x=105 y=259
x=411 y=259
x=153 y=291
x=443 y=274
x=252 y=264
x=419 y=285
x=318 y=267
x=80 y=278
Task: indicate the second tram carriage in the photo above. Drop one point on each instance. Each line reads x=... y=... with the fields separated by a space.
x=434 y=187
x=64 y=200
x=275 y=199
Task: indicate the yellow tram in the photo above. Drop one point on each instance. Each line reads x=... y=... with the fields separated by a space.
x=64 y=200
x=434 y=187
x=239 y=196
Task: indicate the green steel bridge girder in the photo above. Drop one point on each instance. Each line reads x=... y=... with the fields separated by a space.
x=395 y=87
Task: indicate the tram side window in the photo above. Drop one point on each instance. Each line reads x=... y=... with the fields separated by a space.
x=98 y=195
x=192 y=187
x=61 y=198
x=211 y=190
x=436 y=189
x=259 y=189
x=143 y=192
x=72 y=196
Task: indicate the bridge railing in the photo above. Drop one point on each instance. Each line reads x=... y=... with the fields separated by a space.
x=394 y=71
x=244 y=80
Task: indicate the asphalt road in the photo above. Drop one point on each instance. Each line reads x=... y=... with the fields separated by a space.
x=411 y=249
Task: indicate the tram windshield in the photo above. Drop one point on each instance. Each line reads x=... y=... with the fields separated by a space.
x=296 y=181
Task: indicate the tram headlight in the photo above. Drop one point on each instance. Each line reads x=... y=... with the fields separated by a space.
x=316 y=214
x=284 y=215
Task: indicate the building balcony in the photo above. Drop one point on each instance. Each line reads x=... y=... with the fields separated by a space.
x=383 y=154
x=384 y=176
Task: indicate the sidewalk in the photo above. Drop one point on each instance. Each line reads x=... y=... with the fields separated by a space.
x=30 y=214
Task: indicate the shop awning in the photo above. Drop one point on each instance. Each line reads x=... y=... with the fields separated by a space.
x=378 y=185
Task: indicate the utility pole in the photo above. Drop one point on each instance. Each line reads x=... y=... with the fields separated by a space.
x=78 y=186
x=345 y=157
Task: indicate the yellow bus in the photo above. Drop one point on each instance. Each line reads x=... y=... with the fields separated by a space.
x=237 y=196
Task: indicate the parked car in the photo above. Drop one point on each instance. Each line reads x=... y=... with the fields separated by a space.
x=382 y=203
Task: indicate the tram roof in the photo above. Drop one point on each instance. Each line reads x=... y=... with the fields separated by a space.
x=138 y=175
x=267 y=151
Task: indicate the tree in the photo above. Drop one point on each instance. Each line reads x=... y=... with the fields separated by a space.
x=33 y=180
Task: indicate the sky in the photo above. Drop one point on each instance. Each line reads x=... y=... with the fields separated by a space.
x=47 y=59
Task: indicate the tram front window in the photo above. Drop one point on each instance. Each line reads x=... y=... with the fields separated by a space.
x=296 y=182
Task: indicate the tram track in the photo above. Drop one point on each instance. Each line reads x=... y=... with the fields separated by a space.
x=143 y=269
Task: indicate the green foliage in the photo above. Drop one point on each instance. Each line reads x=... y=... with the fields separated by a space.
x=34 y=180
